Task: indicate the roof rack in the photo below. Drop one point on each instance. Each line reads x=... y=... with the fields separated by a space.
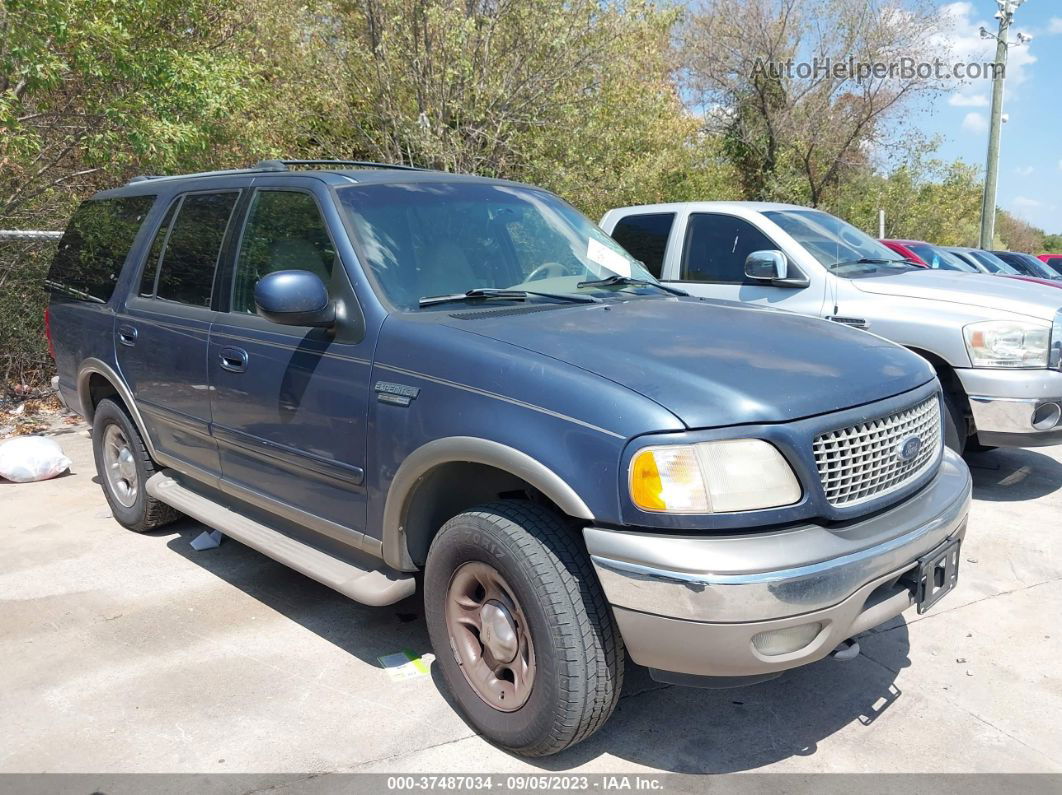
x=278 y=165
x=283 y=165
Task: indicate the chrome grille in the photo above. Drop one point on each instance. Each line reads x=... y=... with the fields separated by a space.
x=863 y=461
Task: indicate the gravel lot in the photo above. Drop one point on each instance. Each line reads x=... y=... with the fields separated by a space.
x=134 y=653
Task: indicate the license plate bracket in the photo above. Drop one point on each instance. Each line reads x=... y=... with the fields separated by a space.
x=937 y=574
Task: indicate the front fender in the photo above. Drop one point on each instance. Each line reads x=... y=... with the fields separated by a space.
x=473 y=450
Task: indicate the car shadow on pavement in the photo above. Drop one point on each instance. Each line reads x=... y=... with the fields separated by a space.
x=1013 y=474
x=692 y=730
x=664 y=727
x=366 y=632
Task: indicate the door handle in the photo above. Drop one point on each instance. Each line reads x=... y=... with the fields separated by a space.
x=233 y=359
x=127 y=334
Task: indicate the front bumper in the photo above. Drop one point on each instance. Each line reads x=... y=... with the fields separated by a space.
x=692 y=604
x=1015 y=408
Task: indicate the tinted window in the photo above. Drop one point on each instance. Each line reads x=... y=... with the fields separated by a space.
x=938 y=258
x=94 y=247
x=716 y=248
x=1056 y=263
x=186 y=273
x=645 y=237
x=151 y=264
x=284 y=231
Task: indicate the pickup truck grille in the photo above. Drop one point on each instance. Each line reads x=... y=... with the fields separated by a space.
x=868 y=460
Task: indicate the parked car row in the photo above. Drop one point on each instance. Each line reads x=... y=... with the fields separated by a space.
x=383 y=376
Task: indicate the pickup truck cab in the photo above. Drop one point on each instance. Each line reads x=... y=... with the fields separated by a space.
x=388 y=378
x=996 y=344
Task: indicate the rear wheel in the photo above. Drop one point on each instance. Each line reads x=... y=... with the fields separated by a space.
x=523 y=636
x=124 y=466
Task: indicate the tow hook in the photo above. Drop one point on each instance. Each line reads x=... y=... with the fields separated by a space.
x=847 y=650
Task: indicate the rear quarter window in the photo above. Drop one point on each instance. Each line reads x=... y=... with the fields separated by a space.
x=93 y=249
x=645 y=238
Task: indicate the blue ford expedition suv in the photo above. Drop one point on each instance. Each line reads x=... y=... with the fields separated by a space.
x=371 y=372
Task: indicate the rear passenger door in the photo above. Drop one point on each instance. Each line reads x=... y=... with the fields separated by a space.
x=161 y=331
x=289 y=403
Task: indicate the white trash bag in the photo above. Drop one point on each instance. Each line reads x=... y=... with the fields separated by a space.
x=30 y=458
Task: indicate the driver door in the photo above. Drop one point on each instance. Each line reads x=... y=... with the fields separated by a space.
x=711 y=264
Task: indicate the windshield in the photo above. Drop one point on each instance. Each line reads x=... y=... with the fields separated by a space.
x=940 y=259
x=992 y=263
x=838 y=245
x=428 y=239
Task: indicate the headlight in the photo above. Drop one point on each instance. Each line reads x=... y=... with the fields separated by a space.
x=1006 y=343
x=712 y=477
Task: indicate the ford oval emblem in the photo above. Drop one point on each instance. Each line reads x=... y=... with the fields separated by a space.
x=908 y=448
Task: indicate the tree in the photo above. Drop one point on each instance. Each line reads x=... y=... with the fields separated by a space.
x=1015 y=234
x=804 y=90
x=92 y=91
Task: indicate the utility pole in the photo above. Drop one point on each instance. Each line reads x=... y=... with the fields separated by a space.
x=1005 y=15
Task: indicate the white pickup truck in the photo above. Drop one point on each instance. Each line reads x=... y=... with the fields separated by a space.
x=996 y=344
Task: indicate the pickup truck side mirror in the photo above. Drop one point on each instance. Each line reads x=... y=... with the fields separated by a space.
x=294 y=298
x=766 y=266
x=773 y=267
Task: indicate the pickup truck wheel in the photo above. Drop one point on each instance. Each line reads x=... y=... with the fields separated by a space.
x=522 y=633
x=124 y=466
x=955 y=427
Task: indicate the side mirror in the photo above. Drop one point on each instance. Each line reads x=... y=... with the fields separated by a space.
x=294 y=298
x=767 y=266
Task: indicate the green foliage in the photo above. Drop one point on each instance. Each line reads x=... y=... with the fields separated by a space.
x=579 y=96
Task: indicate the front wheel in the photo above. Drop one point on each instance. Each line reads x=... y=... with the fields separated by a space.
x=522 y=633
x=956 y=428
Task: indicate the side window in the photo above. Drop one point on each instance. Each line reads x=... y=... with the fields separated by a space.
x=716 y=248
x=645 y=237
x=94 y=247
x=186 y=271
x=151 y=264
x=284 y=231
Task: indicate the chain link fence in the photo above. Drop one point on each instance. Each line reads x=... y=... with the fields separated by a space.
x=24 y=259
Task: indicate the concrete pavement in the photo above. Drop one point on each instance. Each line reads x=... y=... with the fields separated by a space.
x=133 y=653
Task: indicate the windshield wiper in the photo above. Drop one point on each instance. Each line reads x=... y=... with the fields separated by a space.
x=480 y=293
x=625 y=281
x=871 y=261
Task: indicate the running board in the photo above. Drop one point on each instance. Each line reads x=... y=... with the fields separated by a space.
x=376 y=587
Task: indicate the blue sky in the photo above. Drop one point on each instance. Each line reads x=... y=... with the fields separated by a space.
x=1030 y=176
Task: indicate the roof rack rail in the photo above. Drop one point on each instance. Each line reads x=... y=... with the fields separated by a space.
x=277 y=165
x=283 y=165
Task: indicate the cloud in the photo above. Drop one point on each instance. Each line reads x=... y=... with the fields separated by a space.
x=959 y=41
x=1025 y=171
x=960 y=100
x=1055 y=25
x=975 y=123
x=1025 y=203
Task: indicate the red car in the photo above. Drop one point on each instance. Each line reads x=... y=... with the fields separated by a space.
x=927 y=255
x=1054 y=261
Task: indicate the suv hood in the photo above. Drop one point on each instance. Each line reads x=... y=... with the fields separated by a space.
x=712 y=363
x=970 y=289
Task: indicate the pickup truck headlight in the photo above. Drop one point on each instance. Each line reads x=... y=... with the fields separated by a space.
x=712 y=477
x=1007 y=343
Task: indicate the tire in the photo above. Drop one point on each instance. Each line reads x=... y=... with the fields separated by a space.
x=955 y=427
x=134 y=509
x=577 y=655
